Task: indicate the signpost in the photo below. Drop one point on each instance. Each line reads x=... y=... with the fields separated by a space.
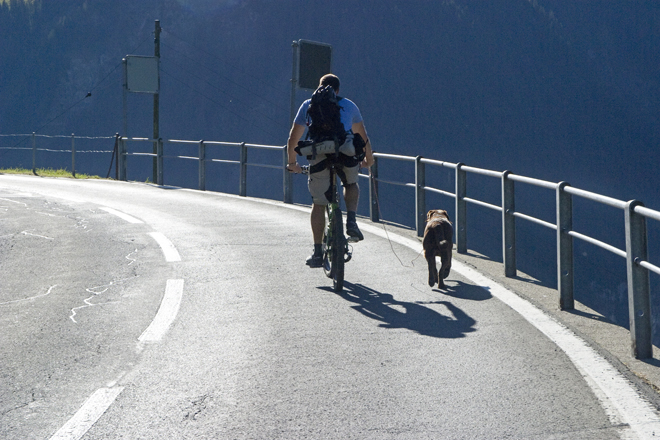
x=311 y=60
x=142 y=75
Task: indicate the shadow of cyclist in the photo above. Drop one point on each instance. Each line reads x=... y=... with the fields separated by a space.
x=409 y=315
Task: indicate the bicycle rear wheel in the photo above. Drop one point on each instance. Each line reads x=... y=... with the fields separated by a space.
x=339 y=244
x=328 y=248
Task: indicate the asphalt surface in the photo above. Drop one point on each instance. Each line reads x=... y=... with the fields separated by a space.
x=260 y=346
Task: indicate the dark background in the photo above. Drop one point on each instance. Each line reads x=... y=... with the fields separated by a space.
x=557 y=90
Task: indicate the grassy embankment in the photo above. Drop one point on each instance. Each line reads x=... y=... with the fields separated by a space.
x=47 y=172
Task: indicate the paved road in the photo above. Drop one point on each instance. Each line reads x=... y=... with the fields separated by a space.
x=132 y=311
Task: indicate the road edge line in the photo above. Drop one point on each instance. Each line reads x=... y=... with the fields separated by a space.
x=633 y=408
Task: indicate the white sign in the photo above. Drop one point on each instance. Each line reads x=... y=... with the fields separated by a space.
x=142 y=74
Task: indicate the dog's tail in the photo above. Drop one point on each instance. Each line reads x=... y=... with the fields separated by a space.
x=444 y=236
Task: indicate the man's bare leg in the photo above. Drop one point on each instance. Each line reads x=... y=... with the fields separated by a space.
x=351 y=197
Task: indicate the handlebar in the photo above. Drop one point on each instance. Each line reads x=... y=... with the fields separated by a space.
x=304 y=169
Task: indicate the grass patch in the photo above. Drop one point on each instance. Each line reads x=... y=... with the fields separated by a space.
x=48 y=172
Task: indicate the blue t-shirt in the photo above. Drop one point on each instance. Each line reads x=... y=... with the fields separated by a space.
x=349 y=113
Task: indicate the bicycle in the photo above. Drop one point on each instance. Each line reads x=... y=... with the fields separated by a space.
x=336 y=248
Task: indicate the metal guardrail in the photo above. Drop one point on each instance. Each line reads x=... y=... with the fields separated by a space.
x=72 y=150
x=635 y=215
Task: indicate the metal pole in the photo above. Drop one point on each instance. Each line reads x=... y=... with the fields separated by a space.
x=508 y=225
x=242 y=187
x=125 y=97
x=287 y=178
x=116 y=156
x=156 y=101
x=159 y=162
x=73 y=155
x=121 y=159
x=639 y=301
x=564 y=247
x=294 y=81
x=461 y=209
x=34 y=153
x=202 y=166
x=420 y=196
x=373 y=192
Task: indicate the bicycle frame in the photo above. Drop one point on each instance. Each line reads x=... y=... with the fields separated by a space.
x=335 y=245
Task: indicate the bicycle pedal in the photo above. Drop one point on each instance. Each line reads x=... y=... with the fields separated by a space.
x=353 y=239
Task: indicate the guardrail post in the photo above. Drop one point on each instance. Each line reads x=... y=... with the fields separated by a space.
x=639 y=301
x=420 y=196
x=121 y=159
x=508 y=225
x=461 y=209
x=373 y=192
x=34 y=153
x=115 y=152
x=159 y=161
x=73 y=155
x=287 y=178
x=202 y=166
x=242 y=187
x=564 y=247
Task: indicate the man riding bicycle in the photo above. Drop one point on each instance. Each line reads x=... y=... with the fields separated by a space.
x=319 y=181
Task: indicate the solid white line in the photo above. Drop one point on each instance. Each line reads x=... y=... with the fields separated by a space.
x=167 y=312
x=88 y=414
x=121 y=215
x=170 y=252
x=617 y=391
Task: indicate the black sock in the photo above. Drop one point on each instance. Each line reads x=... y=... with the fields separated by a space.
x=350 y=217
x=318 y=249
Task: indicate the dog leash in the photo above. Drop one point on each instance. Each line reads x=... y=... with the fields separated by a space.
x=380 y=214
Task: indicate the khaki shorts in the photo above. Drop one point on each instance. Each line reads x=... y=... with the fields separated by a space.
x=319 y=183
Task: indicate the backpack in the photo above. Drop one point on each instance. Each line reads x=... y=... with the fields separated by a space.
x=323 y=117
x=326 y=133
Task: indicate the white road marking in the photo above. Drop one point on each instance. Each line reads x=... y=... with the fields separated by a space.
x=610 y=386
x=86 y=416
x=121 y=215
x=167 y=312
x=170 y=252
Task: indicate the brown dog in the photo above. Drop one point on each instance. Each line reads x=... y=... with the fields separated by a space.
x=438 y=236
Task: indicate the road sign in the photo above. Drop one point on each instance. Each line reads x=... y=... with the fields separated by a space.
x=314 y=61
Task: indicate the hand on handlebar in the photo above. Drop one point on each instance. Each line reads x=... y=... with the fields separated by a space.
x=294 y=168
x=366 y=163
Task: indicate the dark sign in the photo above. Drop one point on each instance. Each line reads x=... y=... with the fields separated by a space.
x=314 y=61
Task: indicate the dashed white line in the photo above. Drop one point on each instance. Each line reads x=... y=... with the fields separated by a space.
x=170 y=252
x=121 y=215
x=86 y=416
x=167 y=312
